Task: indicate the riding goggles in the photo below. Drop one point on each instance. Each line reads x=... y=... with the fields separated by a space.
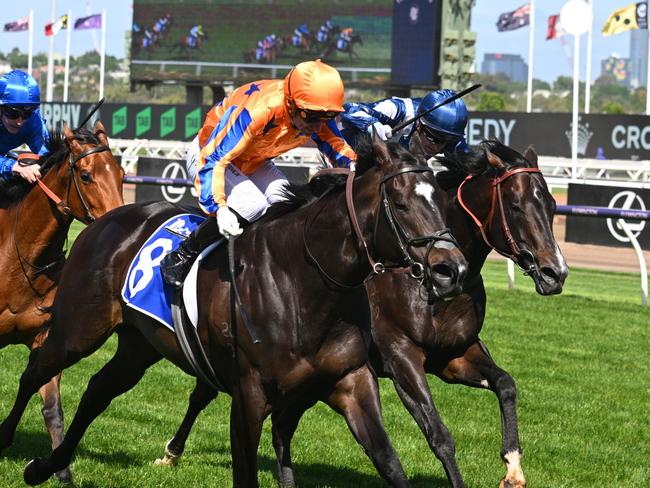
x=435 y=137
x=13 y=113
x=312 y=116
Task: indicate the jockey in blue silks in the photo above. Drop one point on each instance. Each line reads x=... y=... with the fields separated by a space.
x=21 y=123
x=440 y=131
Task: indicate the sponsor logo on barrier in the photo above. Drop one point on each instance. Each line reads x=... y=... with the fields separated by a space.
x=192 y=123
x=173 y=194
x=143 y=122
x=57 y=113
x=119 y=120
x=626 y=200
x=480 y=129
x=168 y=122
x=584 y=136
x=631 y=137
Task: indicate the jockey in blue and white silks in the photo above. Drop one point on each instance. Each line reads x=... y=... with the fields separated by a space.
x=298 y=34
x=21 y=123
x=440 y=131
x=324 y=31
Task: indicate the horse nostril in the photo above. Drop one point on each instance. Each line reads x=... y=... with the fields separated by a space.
x=549 y=274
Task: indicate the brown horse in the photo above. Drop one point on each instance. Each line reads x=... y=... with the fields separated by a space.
x=81 y=170
x=300 y=277
x=509 y=198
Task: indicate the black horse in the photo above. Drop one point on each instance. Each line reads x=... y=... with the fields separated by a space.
x=300 y=276
x=338 y=44
x=497 y=199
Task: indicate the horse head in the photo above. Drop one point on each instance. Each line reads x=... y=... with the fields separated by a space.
x=89 y=183
x=409 y=223
x=510 y=203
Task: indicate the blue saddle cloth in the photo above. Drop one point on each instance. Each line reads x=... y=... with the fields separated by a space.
x=144 y=288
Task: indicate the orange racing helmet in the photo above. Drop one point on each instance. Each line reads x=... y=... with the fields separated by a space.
x=314 y=86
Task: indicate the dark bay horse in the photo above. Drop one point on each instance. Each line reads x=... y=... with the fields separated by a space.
x=80 y=170
x=343 y=46
x=509 y=199
x=300 y=276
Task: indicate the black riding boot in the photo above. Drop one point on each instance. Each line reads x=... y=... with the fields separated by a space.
x=175 y=266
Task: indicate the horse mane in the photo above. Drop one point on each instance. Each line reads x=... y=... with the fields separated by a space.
x=15 y=189
x=460 y=165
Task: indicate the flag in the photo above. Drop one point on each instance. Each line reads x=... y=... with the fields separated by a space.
x=53 y=28
x=555 y=29
x=514 y=20
x=634 y=16
x=18 y=25
x=91 y=22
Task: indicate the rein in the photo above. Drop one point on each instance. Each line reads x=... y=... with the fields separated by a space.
x=414 y=268
x=60 y=203
x=496 y=198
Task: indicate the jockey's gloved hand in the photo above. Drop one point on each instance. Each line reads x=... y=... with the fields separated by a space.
x=228 y=223
x=27 y=167
x=384 y=131
x=352 y=166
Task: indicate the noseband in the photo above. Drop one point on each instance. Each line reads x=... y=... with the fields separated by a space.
x=497 y=197
x=413 y=268
x=72 y=177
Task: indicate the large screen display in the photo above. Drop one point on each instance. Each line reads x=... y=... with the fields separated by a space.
x=230 y=40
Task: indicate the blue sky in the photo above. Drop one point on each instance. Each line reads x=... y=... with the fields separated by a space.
x=551 y=57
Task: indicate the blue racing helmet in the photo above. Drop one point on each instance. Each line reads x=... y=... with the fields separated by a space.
x=17 y=88
x=449 y=119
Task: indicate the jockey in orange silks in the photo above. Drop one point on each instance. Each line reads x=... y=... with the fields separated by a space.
x=230 y=161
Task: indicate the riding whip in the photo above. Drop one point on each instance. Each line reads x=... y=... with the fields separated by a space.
x=458 y=95
x=90 y=114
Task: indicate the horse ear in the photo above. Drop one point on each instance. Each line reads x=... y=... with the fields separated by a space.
x=67 y=132
x=101 y=133
x=380 y=148
x=531 y=156
x=494 y=160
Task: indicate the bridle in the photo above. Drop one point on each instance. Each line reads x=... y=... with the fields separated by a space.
x=72 y=178
x=516 y=252
x=65 y=209
x=414 y=268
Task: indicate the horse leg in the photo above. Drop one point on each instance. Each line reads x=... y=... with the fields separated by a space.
x=247 y=412
x=133 y=357
x=411 y=384
x=477 y=369
x=53 y=416
x=285 y=423
x=200 y=398
x=356 y=397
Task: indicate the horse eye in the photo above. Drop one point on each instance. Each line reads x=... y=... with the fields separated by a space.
x=86 y=177
x=515 y=206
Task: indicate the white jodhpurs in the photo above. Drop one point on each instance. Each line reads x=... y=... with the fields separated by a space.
x=250 y=195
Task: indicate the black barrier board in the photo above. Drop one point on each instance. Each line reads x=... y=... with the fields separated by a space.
x=606 y=136
x=131 y=121
x=175 y=168
x=606 y=232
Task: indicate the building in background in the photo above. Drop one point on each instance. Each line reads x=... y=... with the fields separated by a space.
x=511 y=65
x=619 y=68
x=638 y=58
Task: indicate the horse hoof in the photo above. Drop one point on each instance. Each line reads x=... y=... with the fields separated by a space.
x=166 y=461
x=512 y=484
x=36 y=472
x=64 y=476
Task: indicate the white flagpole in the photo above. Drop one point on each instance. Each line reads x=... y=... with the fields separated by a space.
x=103 y=56
x=50 y=60
x=647 y=78
x=30 y=49
x=588 y=74
x=66 y=76
x=531 y=49
x=574 y=118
